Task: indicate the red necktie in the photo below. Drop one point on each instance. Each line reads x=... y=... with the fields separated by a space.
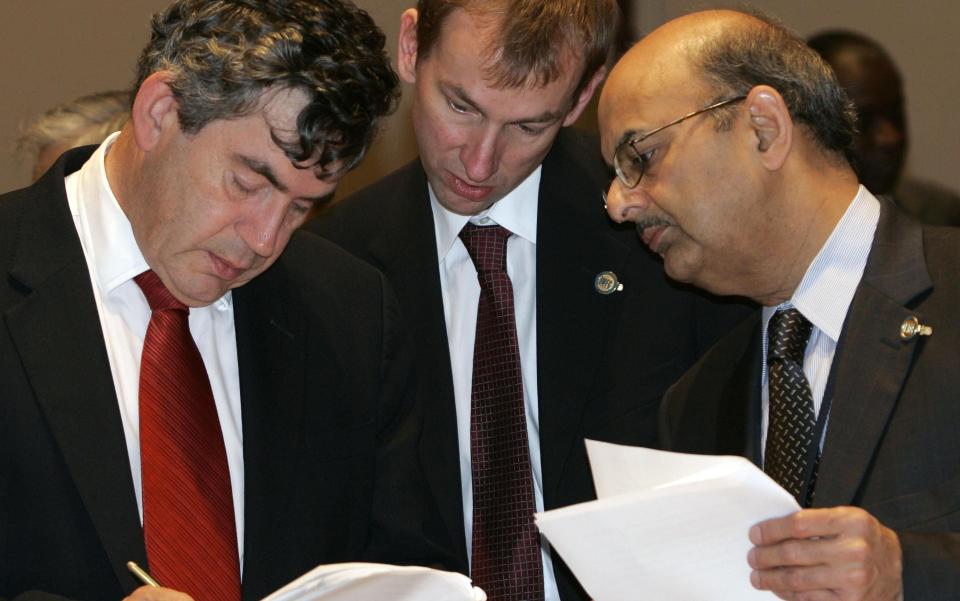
x=188 y=520
x=506 y=547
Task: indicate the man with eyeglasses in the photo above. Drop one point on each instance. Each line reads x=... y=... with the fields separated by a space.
x=843 y=388
x=595 y=333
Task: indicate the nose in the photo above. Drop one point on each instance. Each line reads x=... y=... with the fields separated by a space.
x=479 y=154
x=260 y=228
x=625 y=204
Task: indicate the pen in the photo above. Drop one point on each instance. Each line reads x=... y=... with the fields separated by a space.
x=141 y=574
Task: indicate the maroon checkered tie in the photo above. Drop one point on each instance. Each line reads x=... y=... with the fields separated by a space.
x=506 y=546
x=188 y=520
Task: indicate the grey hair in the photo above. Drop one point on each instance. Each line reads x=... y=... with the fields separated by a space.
x=84 y=120
x=742 y=57
x=223 y=55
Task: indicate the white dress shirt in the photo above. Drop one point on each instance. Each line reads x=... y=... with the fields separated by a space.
x=114 y=259
x=824 y=296
x=517 y=212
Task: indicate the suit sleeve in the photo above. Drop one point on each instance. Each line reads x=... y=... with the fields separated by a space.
x=931 y=565
x=401 y=500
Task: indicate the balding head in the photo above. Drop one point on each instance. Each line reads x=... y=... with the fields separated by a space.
x=729 y=53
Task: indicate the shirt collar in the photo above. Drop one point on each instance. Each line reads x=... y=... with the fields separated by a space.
x=830 y=282
x=517 y=211
x=112 y=248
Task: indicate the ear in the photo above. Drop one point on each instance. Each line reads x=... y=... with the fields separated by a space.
x=154 y=109
x=407 y=47
x=772 y=126
x=585 y=95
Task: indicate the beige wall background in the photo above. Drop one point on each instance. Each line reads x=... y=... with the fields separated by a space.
x=55 y=50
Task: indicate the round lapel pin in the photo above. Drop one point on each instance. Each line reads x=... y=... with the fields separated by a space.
x=911 y=327
x=607 y=282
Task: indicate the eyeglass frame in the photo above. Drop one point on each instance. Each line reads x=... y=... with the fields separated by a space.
x=636 y=140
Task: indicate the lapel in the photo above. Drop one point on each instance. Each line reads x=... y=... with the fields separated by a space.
x=873 y=361
x=56 y=330
x=407 y=254
x=271 y=355
x=575 y=242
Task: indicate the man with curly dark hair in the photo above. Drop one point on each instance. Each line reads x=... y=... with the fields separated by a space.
x=187 y=382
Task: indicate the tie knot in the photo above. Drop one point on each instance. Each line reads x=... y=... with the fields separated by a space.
x=157 y=294
x=789 y=332
x=487 y=246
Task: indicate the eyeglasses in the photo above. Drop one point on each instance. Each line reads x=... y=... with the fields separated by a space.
x=629 y=163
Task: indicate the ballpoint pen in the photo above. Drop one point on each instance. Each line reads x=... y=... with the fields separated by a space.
x=141 y=574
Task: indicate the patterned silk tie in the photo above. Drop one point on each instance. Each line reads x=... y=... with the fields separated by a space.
x=792 y=422
x=188 y=519
x=506 y=547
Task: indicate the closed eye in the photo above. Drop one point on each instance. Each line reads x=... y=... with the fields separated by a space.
x=457 y=107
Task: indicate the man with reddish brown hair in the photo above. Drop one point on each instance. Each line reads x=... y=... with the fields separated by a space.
x=495 y=84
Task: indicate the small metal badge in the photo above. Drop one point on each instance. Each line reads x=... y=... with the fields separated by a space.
x=606 y=282
x=911 y=327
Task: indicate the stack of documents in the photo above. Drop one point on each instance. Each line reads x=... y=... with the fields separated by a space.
x=666 y=525
x=369 y=581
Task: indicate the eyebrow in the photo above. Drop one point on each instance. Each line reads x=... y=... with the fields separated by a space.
x=266 y=171
x=461 y=94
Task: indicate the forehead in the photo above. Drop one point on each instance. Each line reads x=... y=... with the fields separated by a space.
x=462 y=58
x=644 y=92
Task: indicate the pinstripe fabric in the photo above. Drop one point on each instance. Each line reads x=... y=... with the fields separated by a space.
x=506 y=547
x=188 y=519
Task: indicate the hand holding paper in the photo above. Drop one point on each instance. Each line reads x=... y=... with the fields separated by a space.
x=666 y=525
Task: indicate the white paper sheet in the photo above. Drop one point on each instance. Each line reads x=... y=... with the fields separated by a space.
x=666 y=525
x=369 y=581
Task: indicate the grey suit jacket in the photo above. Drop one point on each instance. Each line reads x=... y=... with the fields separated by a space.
x=603 y=361
x=893 y=441
x=329 y=441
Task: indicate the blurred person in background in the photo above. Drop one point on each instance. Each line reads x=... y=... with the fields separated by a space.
x=84 y=120
x=872 y=81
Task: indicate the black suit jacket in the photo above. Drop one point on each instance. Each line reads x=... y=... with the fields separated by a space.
x=329 y=442
x=893 y=441
x=603 y=361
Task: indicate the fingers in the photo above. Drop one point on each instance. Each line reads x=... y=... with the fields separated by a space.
x=836 y=553
x=812 y=578
x=154 y=593
x=808 y=523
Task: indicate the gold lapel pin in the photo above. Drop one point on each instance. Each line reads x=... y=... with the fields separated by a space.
x=911 y=327
x=607 y=282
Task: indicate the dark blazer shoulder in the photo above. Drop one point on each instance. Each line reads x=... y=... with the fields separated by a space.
x=380 y=216
x=695 y=397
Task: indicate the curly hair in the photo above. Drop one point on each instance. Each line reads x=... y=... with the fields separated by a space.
x=746 y=56
x=222 y=55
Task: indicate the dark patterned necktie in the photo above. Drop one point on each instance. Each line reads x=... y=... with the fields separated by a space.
x=188 y=519
x=506 y=547
x=792 y=422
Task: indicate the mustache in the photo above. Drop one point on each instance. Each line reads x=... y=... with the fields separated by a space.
x=651 y=221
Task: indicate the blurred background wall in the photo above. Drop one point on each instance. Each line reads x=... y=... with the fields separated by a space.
x=52 y=51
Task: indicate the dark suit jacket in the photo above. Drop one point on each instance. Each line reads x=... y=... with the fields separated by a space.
x=603 y=361
x=893 y=441
x=329 y=444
